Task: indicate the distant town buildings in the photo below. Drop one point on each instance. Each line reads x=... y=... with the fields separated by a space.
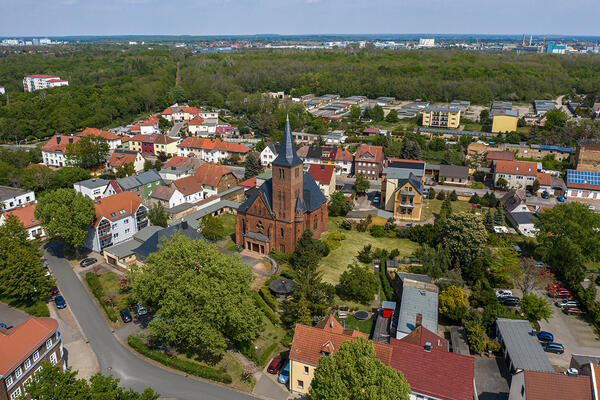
x=39 y=82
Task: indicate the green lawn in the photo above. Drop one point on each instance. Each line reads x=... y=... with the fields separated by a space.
x=109 y=281
x=37 y=309
x=336 y=262
x=365 y=326
x=228 y=221
x=432 y=208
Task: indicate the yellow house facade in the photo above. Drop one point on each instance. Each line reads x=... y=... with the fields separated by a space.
x=403 y=197
x=504 y=121
x=441 y=117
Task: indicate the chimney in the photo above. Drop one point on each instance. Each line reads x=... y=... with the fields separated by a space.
x=70 y=140
x=184 y=225
x=419 y=320
x=428 y=347
x=58 y=139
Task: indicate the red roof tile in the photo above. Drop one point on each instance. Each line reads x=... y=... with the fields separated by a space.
x=153 y=120
x=549 y=385
x=544 y=179
x=421 y=336
x=155 y=138
x=121 y=157
x=250 y=183
x=366 y=149
x=25 y=215
x=41 y=76
x=116 y=206
x=188 y=185
x=500 y=155
x=516 y=167
x=176 y=161
x=97 y=132
x=163 y=192
x=322 y=173
x=197 y=120
x=58 y=143
x=343 y=155
x=210 y=174
x=213 y=144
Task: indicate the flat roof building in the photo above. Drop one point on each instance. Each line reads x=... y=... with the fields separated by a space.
x=522 y=350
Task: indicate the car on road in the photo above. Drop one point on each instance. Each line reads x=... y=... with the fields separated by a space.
x=60 y=302
x=141 y=310
x=573 y=311
x=553 y=347
x=125 y=316
x=503 y=293
x=510 y=301
x=54 y=290
x=284 y=375
x=376 y=199
x=86 y=262
x=567 y=303
x=544 y=336
x=591 y=207
x=276 y=365
x=545 y=195
x=561 y=199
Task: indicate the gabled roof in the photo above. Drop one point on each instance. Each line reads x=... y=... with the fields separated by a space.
x=250 y=183
x=58 y=143
x=181 y=109
x=287 y=156
x=155 y=138
x=41 y=76
x=414 y=181
x=314 y=152
x=148 y=177
x=121 y=157
x=213 y=144
x=99 y=133
x=7 y=192
x=274 y=147
x=343 y=155
x=116 y=206
x=516 y=168
x=151 y=244
x=322 y=173
x=153 y=120
x=551 y=385
x=454 y=171
x=197 y=120
x=369 y=150
x=512 y=199
x=19 y=342
x=163 y=192
x=25 y=215
x=211 y=174
x=421 y=336
x=500 y=155
x=188 y=185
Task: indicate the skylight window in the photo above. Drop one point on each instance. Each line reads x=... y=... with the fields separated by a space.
x=113 y=214
x=121 y=212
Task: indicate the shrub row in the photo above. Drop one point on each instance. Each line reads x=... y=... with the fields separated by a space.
x=264 y=357
x=263 y=306
x=388 y=291
x=189 y=367
x=96 y=288
x=268 y=298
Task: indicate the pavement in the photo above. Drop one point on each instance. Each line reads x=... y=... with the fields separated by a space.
x=491 y=378
x=174 y=133
x=116 y=359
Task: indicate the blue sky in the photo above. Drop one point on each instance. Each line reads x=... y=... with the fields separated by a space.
x=214 y=17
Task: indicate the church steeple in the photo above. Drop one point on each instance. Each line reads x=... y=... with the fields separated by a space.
x=287 y=156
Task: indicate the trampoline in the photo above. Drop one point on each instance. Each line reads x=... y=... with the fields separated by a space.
x=361 y=315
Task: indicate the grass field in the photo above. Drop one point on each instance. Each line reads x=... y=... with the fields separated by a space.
x=228 y=221
x=337 y=261
x=365 y=326
x=432 y=208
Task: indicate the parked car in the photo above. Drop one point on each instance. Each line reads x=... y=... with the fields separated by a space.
x=141 y=310
x=54 y=290
x=284 y=375
x=87 y=262
x=125 y=315
x=573 y=311
x=275 y=365
x=562 y=293
x=510 y=301
x=591 y=207
x=567 y=303
x=553 y=347
x=544 y=336
x=60 y=302
x=545 y=195
x=503 y=293
x=561 y=199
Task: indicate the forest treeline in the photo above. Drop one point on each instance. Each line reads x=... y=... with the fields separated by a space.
x=111 y=85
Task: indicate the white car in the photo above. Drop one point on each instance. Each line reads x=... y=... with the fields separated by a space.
x=504 y=293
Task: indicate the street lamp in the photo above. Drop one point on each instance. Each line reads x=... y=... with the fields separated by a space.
x=257 y=347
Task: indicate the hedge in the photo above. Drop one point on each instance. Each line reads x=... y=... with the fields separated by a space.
x=267 y=353
x=263 y=306
x=189 y=367
x=388 y=291
x=96 y=288
x=268 y=298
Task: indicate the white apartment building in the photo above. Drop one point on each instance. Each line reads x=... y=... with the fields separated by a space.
x=269 y=153
x=93 y=188
x=210 y=150
x=11 y=197
x=38 y=82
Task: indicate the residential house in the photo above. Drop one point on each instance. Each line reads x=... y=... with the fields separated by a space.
x=178 y=113
x=269 y=153
x=344 y=160
x=504 y=121
x=191 y=188
x=543 y=385
x=215 y=178
x=324 y=175
x=402 y=188
x=167 y=196
x=587 y=155
x=583 y=185
x=149 y=126
x=54 y=150
x=112 y=139
x=418 y=307
x=26 y=216
x=39 y=82
x=141 y=184
x=11 y=197
x=226 y=130
x=515 y=201
x=120 y=157
x=313 y=156
x=495 y=155
x=332 y=138
x=179 y=167
x=454 y=175
x=520 y=174
x=523 y=222
x=441 y=117
x=23 y=349
x=370 y=132
x=368 y=161
x=211 y=150
x=153 y=144
x=94 y=188
x=199 y=126
x=117 y=218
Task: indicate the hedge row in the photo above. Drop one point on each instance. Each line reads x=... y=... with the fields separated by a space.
x=189 y=367
x=96 y=288
x=265 y=356
x=388 y=291
x=264 y=307
x=268 y=298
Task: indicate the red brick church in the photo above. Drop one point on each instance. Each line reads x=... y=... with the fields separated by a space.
x=283 y=207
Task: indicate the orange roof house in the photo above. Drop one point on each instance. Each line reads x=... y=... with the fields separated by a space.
x=99 y=133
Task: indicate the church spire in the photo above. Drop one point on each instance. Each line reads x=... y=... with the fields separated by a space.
x=287 y=156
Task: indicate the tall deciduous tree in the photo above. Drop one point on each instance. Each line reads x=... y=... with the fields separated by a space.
x=392 y=116
x=358 y=283
x=338 y=205
x=212 y=228
x=464 y=236
x=453 y=303
x=87 y=152
x=361 y=183
x=158 y=216
x=65 y=214
x=535 y=307
x=355 y=373
x=201 y=297
x=410 y=150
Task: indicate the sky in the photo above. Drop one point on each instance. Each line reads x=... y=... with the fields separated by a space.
x=291 y=17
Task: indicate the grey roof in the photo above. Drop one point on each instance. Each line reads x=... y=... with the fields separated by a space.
x=502 y=111
x=581 y=360
x=522 y=218
x=148 y=177
x=7 y=192
x=388 y=304
x=128 y=183
x=92 y=183
x=143 y=234
x=123 y=249
x=179 y=208
x=314 y=152
x=506 y=105
x=522 y=346
x=417 y=301
x=454 y=171
x=403 y=170
x=287 y=156
x=413 y=180
x=414 y=277
x=257 y=236
x=274 y=146
x=193 y=218
x=151 y=244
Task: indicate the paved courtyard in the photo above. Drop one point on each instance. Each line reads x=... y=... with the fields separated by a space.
x=491 y=378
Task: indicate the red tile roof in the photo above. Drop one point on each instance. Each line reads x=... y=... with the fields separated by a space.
x=197 y=120
x=371 y=130
x=544 y=179
x=18 y=343
x=549 y=385
x=500 y=155
x=155 y=138
x=41 y=76
x=403 y=160
x=184 y=109
x=343 y=155
x=153 y=120
x=135 y=128
x=322 y=173
x=188 y=185
x=58 y=143
x=435 y=373
x=116 y=206
x=366 y=149
x=422 y=335
x=121 y=157
x=163 y=192
x=211 y=174
x=213 y=144
x=25 y=215
x=516 y=167
x=97 y=132
x=176 y=161
x=250 y=183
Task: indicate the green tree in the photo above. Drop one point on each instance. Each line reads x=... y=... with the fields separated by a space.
x=502 y=183
x=212 y=228
x=431 y=193
x=158 y=216
x=476 y=336
x=67 y=176
x=344 y=376
x=354 y=112
x=453 y=196
x=358 y=283
x=535 y=307
x=464 y=235
x=338 y=205
x=148 y=165
x=392 y=116
x=410 y=149
x=65 y=214
x=488 y=221
x=376 y=113
x=87 y=152
x=445 y=209
x=164 y=124
x=436 y=260
x=252 y=166
x=260 y=146
x=157 y=165
x=453 y=303
x=308 y=251
x=499 y=215
x=536 y=186
x=178 y=94
x=437 y=144
x=52 y=383
x=201 y=297
x=555 y=119
x=361 y=183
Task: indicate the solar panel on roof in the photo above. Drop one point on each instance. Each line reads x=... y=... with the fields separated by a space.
x=583 y=177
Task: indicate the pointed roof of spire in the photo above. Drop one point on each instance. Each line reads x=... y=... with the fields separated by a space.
x=287 y=156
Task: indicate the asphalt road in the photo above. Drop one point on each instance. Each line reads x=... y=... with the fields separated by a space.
x=113 y=357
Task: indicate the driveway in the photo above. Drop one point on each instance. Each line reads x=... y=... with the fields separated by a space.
x=113 y=357
x=491 y=378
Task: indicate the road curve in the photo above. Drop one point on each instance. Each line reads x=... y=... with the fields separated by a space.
x=113 y=357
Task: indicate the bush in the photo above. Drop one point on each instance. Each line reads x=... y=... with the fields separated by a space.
x=189 y=367
x=38 y=309
x=333 y=244
x=96 y=288
x=346 y=224
x=477 y=185
x=267 y=353
x=263 y=306
x=358 y=283
x=336 y=236
x=365 y=255
x=280 y=257
x=268 y=298
x=386 y=287
x=377 y=231
x=289 y=273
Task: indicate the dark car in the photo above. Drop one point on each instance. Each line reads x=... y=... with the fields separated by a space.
x=561 y=199
x=545 y=195
x=87 y=262
x=276 y=365
x=60 y=302
x=54 y=290
x=570 y=310
x=125 y=315
x=552 y=347
x=544 y=336
x=510 y=301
